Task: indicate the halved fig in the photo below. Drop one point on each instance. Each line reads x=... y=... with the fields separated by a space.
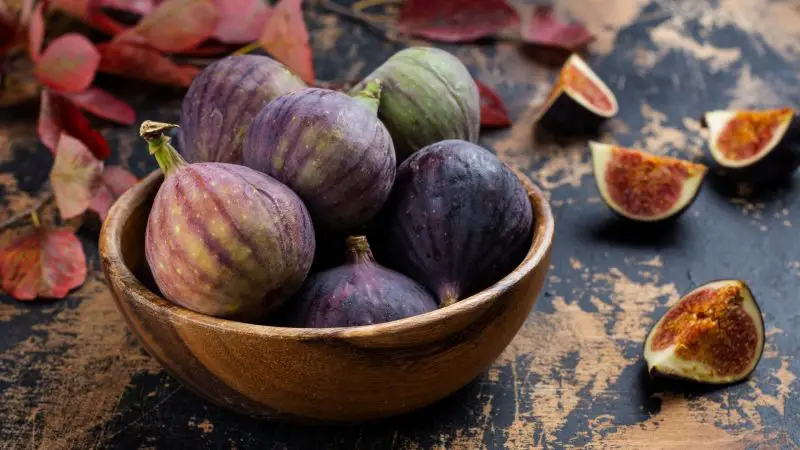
x=714 y=334
x=644 y=187
x=579 y=101
x=754 y=145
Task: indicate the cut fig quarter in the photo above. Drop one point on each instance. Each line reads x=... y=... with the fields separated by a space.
x=758 y=145
x=644 y=187
x=579 y=101
x=713 y=335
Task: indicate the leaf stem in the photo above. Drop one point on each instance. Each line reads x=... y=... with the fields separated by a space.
x=28 y=213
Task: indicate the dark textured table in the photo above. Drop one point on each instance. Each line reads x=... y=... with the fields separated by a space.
x=72 y=376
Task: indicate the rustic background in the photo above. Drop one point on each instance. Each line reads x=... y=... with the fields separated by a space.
x=71 y=375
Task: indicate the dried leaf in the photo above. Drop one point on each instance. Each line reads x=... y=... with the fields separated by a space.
x=493 y=112
x=241 y=21
x=58 y=115
x=36 y=32
x=140 y=7
x=456 y=20
x=103 y=104
x=113 y=182
x=68 y=64
x=44 y=263
x=75 y=172
x=285 y=37
x=545 y=29
x=175 y=26
x=145 y=64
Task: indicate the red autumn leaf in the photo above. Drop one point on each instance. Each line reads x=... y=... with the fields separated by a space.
x=285 y=37
x=493 y=112
x=36 y=32
x=145 y=64
x=75 y=172
x=68 y=64
x=113 y=182
x=545 y=29
x=175 y=26
x=241 y=21
x=89 y=12
x=456 y=20
x=44 y=263
x=57 y=115
x=140 y=7
x=210 y=49
x=102 y=104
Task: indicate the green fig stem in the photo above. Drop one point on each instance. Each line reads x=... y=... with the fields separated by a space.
x=168 y=158
x=370 y=96
x=358 y=251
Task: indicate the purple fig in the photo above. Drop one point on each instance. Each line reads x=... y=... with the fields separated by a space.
x=329 y=148
x=222 y=102
x=457 y=220
x=360 y=292
x=223 y=239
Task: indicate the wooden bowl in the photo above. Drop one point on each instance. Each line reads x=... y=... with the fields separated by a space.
x=325 y=375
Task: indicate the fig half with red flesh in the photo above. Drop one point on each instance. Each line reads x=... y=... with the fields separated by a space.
x=754 y=145
x=714 y=334
x=579 y=101
x=642 y=186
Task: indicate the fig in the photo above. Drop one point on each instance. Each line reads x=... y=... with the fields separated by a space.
x=579 y=101
x=754 y=145
x=360 y=292
x=457 y=220
x=222 y=102
x=428 y=96
x=330 y=149
x=644 y=187
x=223 y=239
x=714 y=334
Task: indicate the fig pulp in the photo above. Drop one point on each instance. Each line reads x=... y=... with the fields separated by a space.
x=428 y=96
x=329 y=148
x=457 y=221
x=644 y=187
x=714 y=334
x=360 y=292
x=222 y=102
x=578 y=102
x=223 y=239
x=754 y=145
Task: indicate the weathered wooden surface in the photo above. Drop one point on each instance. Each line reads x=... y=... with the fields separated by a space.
x=71 y=375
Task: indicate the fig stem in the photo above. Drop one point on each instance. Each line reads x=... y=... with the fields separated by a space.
x=168 y=158
x=448 y=295
x=358 y=251
x=370 y=96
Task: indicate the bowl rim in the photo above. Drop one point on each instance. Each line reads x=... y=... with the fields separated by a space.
x=114 y=264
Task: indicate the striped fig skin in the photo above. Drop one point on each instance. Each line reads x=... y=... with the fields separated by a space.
x=228 y=241
x=330 y=149
x=457 y=221
x=428 y=96
x=222 y=102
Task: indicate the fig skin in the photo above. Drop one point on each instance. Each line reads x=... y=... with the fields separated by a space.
x=329 y=148
x=457 y=221
x=780 y=162
x=665 y=367
x=428 y=96
x=223 y=239
x=359 y=292
x=222 y=102
x=565 y=114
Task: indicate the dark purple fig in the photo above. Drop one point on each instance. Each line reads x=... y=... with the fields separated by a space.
x=329 y=148
x=428 y=96
x=714 y=334
x=754 y=145
x=457 y=221
x=360 y=292
x=578 y=102
x=223 y=239
x=222 y=102
x=644 y=187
